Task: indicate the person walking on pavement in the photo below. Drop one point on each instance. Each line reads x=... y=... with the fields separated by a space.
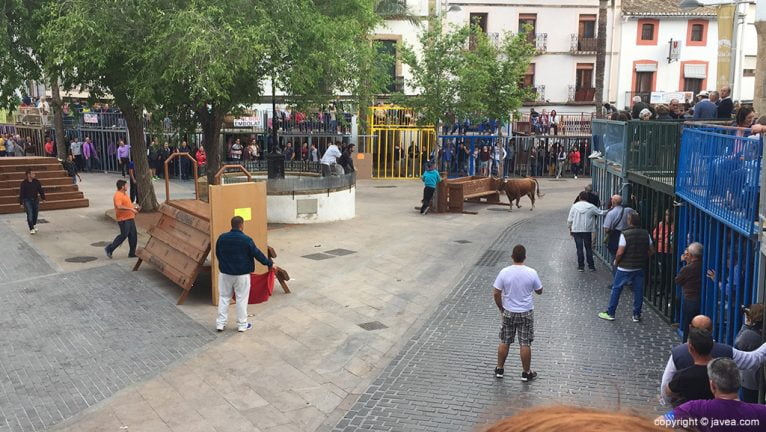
x=512 y=292
x=125 y=213
x=31 y=194
x=430 y=179
x=235 y=252
x=633 y=251
x=690 y=280
x=582 y=225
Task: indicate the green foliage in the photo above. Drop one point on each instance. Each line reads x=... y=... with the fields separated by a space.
x=19 y=48
x=478 y=83
x=434 y=72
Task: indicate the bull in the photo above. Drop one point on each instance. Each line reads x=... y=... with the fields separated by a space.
x=515 y=189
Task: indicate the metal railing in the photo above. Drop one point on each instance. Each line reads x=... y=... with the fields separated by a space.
x=720 y=174
x=565 y=124
x=733 y=259
x=652 y=150
x=582 y=45
x=541 y=42
x=581 y=94
x=606 y=182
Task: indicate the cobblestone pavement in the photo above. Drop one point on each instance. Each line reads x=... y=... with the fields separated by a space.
x=443 y=380
x=73 y=339
x=19 y=260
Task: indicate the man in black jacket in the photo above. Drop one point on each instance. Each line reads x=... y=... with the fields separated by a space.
x=31 y=194
x=725 y=105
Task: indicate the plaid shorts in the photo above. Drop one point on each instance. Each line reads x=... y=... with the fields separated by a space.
x=522 y=323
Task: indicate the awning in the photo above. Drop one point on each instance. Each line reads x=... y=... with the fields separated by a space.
x=695 y=71
x=646 y=67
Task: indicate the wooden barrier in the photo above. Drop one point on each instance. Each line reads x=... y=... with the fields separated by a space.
x=452 y=193
x=179 y=243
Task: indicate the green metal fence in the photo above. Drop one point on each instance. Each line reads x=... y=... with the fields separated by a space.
x=652 y=150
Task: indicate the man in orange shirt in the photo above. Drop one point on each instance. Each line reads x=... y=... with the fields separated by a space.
x=125 y=213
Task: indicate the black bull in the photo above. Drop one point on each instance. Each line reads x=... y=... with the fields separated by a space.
x=515 y=189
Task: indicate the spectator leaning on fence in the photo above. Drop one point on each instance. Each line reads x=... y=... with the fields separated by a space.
x=691 y=383
x=690 y=280
x=329 y=158
x=749 y=338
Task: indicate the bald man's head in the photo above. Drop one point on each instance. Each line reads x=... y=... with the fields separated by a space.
x=616 y=200
x=702 y=322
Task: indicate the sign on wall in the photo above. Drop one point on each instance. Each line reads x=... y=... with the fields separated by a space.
x=674 y=50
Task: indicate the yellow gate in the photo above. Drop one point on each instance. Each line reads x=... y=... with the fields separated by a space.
x=401 y=148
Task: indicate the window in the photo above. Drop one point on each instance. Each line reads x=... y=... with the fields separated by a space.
x=644 y=82
x=387 y=50
x=528 y=22
x=748 y=72
x=696 y=32
x=748 y=67
x=529 y=78
x=584 y=91
x=647 y=30
x=693 y=85
x=587 y=27
x=479 y=19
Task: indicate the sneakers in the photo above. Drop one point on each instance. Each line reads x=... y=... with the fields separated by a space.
x=636 y=318
x=580 y=269
x=33 y=231
x=595 y=155
x=575 y=177
x=526 y=377
x=593 y=269
x=220 y=328
x=499 y=372
x=246 y=328
x=108 y=254
x=605 y=316
x=425 y=212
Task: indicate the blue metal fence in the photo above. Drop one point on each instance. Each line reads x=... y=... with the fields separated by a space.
x=730 y=262
x=720 y=174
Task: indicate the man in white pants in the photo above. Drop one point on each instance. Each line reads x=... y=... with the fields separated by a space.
x=235 y=252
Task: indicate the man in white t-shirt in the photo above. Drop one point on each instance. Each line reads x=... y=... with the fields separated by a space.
x=513 y=290
x=633 y=252
x=329 y=158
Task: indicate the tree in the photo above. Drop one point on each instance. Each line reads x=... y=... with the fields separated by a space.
x=100 y=50
x=22 y=58
x=601 y=57
x=433 y=73
x=489 y=77
x=395 y=10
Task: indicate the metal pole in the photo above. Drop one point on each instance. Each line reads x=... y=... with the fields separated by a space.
x=734 y=56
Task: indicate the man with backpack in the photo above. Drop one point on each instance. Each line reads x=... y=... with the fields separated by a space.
x=615 y=222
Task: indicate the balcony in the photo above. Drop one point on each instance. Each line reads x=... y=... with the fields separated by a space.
x=581 y=94
x=541 y=42
x=582 y=45
x=540 y=90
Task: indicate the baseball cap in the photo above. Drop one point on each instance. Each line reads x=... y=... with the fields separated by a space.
x=703 y=93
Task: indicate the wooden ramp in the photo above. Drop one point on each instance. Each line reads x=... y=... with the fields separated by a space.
x=179 y=243
x=60 y=193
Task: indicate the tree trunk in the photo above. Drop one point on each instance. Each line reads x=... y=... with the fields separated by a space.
x=58 y=119
x=601 y=58
x=210 y=120
x=146 y=197
x=759 y=98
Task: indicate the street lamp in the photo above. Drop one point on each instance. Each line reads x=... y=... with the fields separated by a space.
x=692 y=4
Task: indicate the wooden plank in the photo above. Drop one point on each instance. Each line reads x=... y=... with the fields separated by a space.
x=186 y=217
x=167 y=223
x=198 y=208
x=171 y=256
x=193 y=251
x=178 y=278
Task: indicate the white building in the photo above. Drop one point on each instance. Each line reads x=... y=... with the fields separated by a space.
x=563 y=71
x=644 y=64
x=744 y=87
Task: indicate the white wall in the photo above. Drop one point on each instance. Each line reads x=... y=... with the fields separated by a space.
x=668 y=74
x=745 y=89
x=333 y=206
x=559 y=19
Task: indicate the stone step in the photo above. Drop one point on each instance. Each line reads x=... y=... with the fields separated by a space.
x=62 y=180
x=51 y=196
x=12 y=168
x=14 y=191
x=27 y=161
x=48 y=205
x=43 y=174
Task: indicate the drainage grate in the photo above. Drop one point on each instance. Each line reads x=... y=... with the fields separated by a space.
x=80 y=259
x=318 y=256
x=462 y=241
x=373 y=325
x=340 y=252
x=384 y=187
x=42 y=221
x=100 y=244
x=491 y=258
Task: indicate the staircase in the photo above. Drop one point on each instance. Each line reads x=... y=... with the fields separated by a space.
x=60 y=193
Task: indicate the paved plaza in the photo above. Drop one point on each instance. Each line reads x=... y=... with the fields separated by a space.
x=393 y=329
